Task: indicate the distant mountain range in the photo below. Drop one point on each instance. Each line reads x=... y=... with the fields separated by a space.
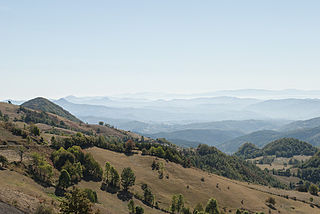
x=211 y=118
x=211 y=137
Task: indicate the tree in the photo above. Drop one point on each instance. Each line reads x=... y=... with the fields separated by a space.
x=177 y=203
x=271 y=200
x=127 y=178
x=129 y=146
x=180 y=202
x=35 y=130
x=131 y=206
x=114 y=182
x=139 y=210
x=212 y=206
x=76 y=202
x=148 y=196
x=64 y=179
x=92 y=195
x=238 y=211
x=92 y=169
x=313 y=189
x=101 y=123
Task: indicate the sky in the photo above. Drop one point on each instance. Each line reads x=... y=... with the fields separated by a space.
x=100 y=48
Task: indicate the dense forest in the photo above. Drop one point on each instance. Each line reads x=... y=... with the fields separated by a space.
x=285 y=147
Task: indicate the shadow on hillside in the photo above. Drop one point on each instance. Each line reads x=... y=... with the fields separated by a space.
x=125 y=195
x=109 y=189
x=130 y=153
x=59 y=192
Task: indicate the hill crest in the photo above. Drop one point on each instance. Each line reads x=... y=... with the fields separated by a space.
x=42 y=104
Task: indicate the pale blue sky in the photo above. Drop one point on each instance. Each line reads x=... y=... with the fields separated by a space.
x=57 y=48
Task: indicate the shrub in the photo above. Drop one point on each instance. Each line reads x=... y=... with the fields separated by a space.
x=313 y=189
x=271 y=200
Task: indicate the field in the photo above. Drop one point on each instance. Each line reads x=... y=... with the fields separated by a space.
x=229 y=193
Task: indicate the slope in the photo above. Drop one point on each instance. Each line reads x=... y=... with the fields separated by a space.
x=45 y=105
x=230 y=194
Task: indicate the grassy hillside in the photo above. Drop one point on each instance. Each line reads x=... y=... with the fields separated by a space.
x=45 y=105
x=188 y=181
x=285 y=147
x=36 y=151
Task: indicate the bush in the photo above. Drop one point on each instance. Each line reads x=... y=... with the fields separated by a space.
x=139 y=210
x=271 y=200
x=313 y=189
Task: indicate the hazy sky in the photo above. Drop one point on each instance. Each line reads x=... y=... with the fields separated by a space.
x=57 y=48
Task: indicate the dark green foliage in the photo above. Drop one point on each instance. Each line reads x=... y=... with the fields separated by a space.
x=112 y=177
x=285 y=147
x=247 y=151
x=271 y=200
x=92 y=169
x=39 y=117
x=76 y=202
x=313 y=189
x=131 y=206
x=40 y=169
x=177 y=203
x=74 y=170
x=127 y=178
x=42 y=104
x=35 y=130
x=92 y=195
x=212 y=207
x=139 y=210
x=60 y=157
x=211 y=159
x=148 y=197
x=77 y=164
x=64 y=179
x=310 y=170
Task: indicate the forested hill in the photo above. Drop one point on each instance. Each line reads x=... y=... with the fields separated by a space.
x=310 y=170
x=42 y=104
x=285 y=147
x=213 y=160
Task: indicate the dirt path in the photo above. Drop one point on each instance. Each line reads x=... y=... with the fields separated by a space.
x=7 y=209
